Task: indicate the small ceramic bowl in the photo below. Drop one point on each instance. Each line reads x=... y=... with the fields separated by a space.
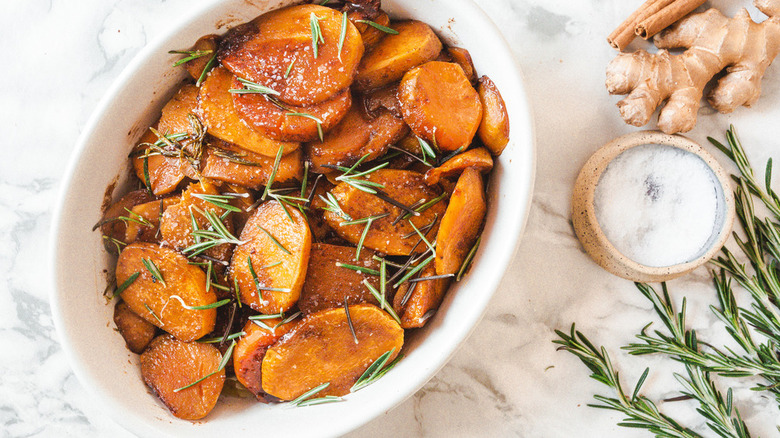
x=596 y=243
x=83 y=318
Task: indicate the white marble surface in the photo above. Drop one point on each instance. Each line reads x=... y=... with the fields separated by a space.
x=507 y=379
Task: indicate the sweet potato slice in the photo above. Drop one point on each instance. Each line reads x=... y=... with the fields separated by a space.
x=206 y=43
x=478 y=158
x=327 y=284
x=143 y=223
x=114 y=228
x=226 y=162
x=250 y=351
x=322 y=349
x=404 y=186
x=416 y=303
x=169 y=364
x=494 y=128
x=462 y=57
x=263 y=49
x=244 y=199
x=357 y=135
x=289 y=123
x=216 y=109
x=136 y=332
x=440 y=105
x=164 y=173
x=152 y=299
x=176 y=225
x=414 y=44
x=461 y=223
x=278 y=248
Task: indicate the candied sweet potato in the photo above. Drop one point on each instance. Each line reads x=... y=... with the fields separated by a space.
x=115 y=228
x=152 y=299
x=321 y=349
x=357 y=135
x=250 y=351
x=176 y=225
x=385 y=97
x=461 y=223
x=165 y=173
x=196 y=66
x=478 y=158
x=290 y=123
x=136 y=331
x=494 y=128
x=278 y=248
x=144 y=223
x=169 y=364
x=386 y=63
x=440 y=105
x=263 y=49
x=403 y=186
x=462 y=57
x=227 y=162
x=328 y=284
x=419 y=301
x=219 y=115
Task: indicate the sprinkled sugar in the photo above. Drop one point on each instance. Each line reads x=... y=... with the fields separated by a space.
x=658 y=205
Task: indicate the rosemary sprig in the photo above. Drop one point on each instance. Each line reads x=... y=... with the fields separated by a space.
x=349 y=321
x=274 y=171
x=414 y=270
x=125 y=284
x=363 y=220
x=216 y=235
x=376 y=370
x=309 y=393
x=253 y=88
x=332 y=205
x=220 y=201
x=343 y=33
x=190 y=55
x=274 y=240
x=316 y=34
x=361 y=269
x=154 y=270
x=354 y=180
x=222 y=365
x=375 y=25
x=427 y=150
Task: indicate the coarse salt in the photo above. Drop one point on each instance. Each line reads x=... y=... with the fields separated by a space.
x=658 y=205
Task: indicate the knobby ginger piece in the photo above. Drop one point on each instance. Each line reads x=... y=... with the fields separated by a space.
x=713 y=42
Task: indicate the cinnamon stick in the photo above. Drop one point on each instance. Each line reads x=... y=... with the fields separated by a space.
x=625 y=32
x=665 y=17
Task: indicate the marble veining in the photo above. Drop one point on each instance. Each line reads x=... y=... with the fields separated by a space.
x=507 y=379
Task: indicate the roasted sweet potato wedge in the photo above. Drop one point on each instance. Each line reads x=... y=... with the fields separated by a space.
x=226 y=162
x=265 y=47
x=244 y=199
x=143 y=220
x=206 y=43
x=153 y=299
x=216 y=109
x=114 y=228
x=164 y=173
x=270 y=265
x=494 y=128
x=440 y=105
x=416 y=303
x=250 y=351
x=386 y=63
x=385 y=97
x=358 y=134
x=136 y=332
x=462 y=57
x=170 y=364
x=291 y=123
x=478 y=158
x=330 y=278
x=176 y=225
x=383 y=235
x=321 y=349
x=461 y=223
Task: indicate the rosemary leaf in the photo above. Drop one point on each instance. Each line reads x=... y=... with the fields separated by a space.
x=125 y=284
x=384 y=29
x=154 y=270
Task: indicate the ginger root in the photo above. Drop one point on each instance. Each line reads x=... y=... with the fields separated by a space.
x=713 y=42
